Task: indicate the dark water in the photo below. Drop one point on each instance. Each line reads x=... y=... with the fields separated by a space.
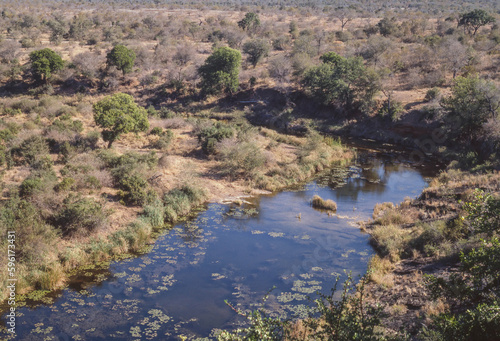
x=229 y=253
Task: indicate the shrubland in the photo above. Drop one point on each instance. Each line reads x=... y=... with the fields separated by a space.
x=114 y=123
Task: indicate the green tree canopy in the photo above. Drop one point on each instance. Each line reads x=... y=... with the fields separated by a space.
x=121 y=57
x=44 y=63
x=256 y=49
x=341 y=81
x=119 y=114
x=472 y=102
x=249 y=22
x=220 y=71
x=475 y=19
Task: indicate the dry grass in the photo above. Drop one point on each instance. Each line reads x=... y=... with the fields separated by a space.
x=391 y=240
x=318 y=202
x=379 y=209
x=380 y=271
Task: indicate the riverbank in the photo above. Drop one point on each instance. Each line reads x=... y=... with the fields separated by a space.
x=85 y=212
x=419 y=238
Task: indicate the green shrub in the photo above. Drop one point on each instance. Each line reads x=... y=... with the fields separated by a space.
x=208 y=137
x=239 y=157
x=30 y=186
x=155 y=214
x=483 y=212
x=432 y=94
x=66 y=184
x=481 y=323
x=31 y=150
x=92 y=182
x=135 y=190
x=134 y=236
x=80 y=215
x=165 y=140
x=179 y=201
x=66 y=124
x=156 y=131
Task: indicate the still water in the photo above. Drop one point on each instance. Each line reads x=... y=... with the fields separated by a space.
x=233 y=253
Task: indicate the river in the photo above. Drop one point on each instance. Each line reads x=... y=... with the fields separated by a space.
x=230 y=252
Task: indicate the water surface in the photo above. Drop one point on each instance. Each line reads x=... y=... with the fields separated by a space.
x=229 y=252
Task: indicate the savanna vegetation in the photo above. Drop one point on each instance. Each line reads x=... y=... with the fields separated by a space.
x=117 y=118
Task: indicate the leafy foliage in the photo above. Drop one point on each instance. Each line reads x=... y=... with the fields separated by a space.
x=80 y=215
x=220 y=71
x=476 y=285
x=121 y=57
x=342 y=81
x=473 y=20
x=44 y=63
x=250 y=21
x=483 y=212
x=346 y=319
x=119 y=114
x=256 y=50
x=209 y=137
x=472 y=102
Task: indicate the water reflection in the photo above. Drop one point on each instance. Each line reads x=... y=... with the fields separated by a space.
x=229 y=252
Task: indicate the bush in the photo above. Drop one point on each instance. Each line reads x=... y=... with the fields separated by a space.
x=432 y=94
x=31 y=150
x=80 y=215
x=121 y=57
x=66 y=184
x=239 y=157
x=391 y=240
x=208 y=137
x=135 y=190
x=155 y=214
x=133 y=237
x=119 y=114
x=481 y=323
x=30 y=186
x=318 y=202
x=164 y=141
x=156 y=131
x=179 y=201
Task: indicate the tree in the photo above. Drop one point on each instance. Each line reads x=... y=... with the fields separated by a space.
x=456 y=56
x=250 y=22
x=341 y=81
x=44 y=63
x=344 y=15
x=472 y=102
x=256 y=50
x=388 y=26
x=220 y=71
x=119 y=114
x=121 y=57
x=475 y=19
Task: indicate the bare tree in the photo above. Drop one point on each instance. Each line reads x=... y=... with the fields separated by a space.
x=456 y=56
x=344 y=15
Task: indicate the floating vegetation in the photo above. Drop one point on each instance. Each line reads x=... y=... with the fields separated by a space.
x=316 y=268
x=287 y=297
x=257 y=232
x=217 y=276
x=346 y=254
x=302 y=287
x=276 y=234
